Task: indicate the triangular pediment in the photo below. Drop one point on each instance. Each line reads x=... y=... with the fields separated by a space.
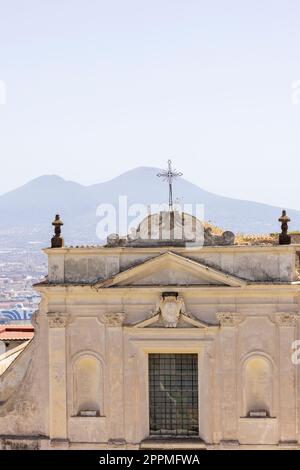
x=171 y=269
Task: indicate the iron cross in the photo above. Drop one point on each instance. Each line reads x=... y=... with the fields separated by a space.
x=168 y=175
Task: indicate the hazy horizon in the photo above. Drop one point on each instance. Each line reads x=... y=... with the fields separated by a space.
x=94 y=90
x=147 y=167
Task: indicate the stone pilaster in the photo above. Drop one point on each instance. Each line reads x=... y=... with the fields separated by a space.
x=57 y=376
x=115 y=352
x=228 y=337
x=287 y=377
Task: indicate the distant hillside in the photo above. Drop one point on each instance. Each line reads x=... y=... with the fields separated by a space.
x=29 y=210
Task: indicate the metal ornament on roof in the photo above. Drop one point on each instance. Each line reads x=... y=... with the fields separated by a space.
x=169 y=175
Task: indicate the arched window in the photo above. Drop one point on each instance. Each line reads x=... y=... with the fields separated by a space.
x=88 y=386
x=258 y=387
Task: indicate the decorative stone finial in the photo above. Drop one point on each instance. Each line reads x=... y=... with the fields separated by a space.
x=284 y=237
x=57 y=241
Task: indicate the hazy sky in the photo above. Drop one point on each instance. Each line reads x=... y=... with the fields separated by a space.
x=95 y=88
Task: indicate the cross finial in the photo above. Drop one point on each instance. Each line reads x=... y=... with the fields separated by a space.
x=168 y=175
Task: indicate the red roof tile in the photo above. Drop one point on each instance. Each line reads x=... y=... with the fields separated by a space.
x=9 y=333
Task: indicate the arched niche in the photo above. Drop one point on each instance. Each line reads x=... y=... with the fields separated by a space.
x=258 y=387
x=88 y=386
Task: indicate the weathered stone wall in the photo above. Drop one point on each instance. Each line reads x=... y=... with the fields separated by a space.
x=253 y=263
x=24 y=392
x=80 y=329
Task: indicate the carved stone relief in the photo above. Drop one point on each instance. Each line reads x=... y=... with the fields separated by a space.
x=58 y=320
x=286 y=319
x=170 y=308
x=228 y=318
x=112 y=319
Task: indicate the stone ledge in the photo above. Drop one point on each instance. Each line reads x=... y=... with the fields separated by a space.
x=288 y=444
x=59 y=443
x=229 y=443
x=88 y=418
x=258 y=418
x=8 y=442
x=44 y=443
x=172 y=444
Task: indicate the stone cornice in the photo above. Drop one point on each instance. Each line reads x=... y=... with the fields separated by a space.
x=107 y=251
x=209 y=291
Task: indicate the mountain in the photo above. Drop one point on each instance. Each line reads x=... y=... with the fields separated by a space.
x=26 y=213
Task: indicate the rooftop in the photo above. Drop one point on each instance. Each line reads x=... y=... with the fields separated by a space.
x=174 y=228
x=15 y=332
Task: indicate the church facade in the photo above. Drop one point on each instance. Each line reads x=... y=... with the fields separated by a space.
x=148 y=343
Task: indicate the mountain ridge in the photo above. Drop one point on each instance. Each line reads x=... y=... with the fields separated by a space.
x=32 y=206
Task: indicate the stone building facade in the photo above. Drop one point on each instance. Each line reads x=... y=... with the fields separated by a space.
x=155 y=344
